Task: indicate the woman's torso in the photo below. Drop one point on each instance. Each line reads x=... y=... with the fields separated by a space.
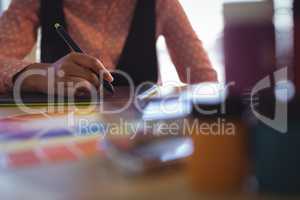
x=100 y=27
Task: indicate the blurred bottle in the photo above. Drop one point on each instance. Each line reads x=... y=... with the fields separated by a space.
x=249 y=44
x=297 y=44
x=277 y=160
x=220 y=163
x=276 y=153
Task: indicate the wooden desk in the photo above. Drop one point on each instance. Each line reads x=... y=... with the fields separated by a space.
x=95 y=178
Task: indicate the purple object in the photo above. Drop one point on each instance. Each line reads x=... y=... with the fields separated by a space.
x=249 y=44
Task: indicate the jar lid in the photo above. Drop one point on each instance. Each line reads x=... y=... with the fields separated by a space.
x=248 y=12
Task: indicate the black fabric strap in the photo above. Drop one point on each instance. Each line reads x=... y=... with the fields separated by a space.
x=52 y=46
x=139 y=57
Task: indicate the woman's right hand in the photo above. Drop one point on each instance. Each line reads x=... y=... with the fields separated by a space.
x=73 y=69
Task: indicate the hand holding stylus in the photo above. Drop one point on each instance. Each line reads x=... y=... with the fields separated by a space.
x=74 y=47
x=75 y=68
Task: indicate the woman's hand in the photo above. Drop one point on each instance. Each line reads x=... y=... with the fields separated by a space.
x=72 y=70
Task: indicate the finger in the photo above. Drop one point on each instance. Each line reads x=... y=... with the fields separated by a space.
x=74 y=70
x=91 y=63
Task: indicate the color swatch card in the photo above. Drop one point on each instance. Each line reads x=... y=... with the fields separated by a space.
x=28 y=140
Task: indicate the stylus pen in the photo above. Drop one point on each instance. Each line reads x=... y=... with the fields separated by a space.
x=74 y=47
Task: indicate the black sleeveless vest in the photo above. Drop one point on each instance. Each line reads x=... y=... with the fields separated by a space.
x=138 y=59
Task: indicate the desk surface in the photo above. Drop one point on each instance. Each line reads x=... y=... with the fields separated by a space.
x=95 y=178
